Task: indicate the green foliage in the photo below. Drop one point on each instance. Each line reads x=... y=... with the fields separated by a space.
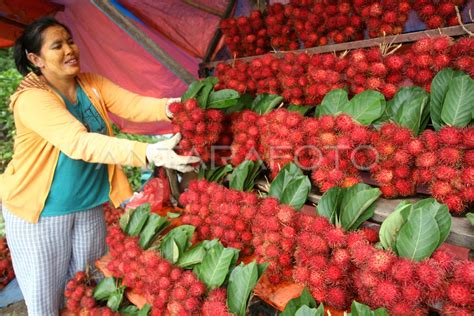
x=9 y=80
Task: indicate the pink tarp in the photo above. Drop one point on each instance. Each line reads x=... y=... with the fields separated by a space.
x=186 y=23
x=108 y=50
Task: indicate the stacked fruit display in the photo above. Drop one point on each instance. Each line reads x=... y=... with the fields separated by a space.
x=438 y=13
x=112 y=214
x=6 y=268
x=305 y=80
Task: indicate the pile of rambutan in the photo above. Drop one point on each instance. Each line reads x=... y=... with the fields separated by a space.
x=273 y=228
x=325 y=73
x=292 y=77
x=246 y=141
x=112 y=214
x=281 y=135
x=6 y=268
x=394 y=169
x=263 y=75
x=308 y=22
x=199 y=128
x=164 y=286
x=383 y=18
x=279 y=27
x=426 y=57
x=438 y=13
x=220 y=213
x=79 y=293
x=460 y=287
x=445 y=162
x=246 y=36
x=462 y=55
x=337 y=138
x=341 y=23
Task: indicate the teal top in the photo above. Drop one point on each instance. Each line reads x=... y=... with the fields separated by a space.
x=78 y=185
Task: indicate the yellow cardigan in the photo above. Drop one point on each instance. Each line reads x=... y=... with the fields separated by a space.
x=45 y=127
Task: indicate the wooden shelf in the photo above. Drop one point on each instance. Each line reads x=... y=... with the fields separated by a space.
x=462 y=232
x=395 y=39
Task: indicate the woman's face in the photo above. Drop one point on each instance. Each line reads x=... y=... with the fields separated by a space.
x=59 y=55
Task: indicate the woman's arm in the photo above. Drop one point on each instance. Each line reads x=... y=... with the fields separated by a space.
x=45 y=115
x=129 y=105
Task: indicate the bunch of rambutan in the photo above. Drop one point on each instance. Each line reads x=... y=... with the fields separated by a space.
x=394 y=169
x=427 y=56
x=462 y=55
x=460 y=298
x=237 y=77
x=445 y=162
x=6 y=268
x=292 y=77
x=308 y=22
x=220 y=213
x=273 y=228
x=112 y=214
x=279 y=27
x=341 y=22
x=337 y=139
x=281 y=136
x=79 y=293
x=164 y=286
x=246 y=141
x=383 y=18
x=322 y=261
x=325 y=73
x=246 y=36
x=262 y=74
x=200 y=128
x=438 y=13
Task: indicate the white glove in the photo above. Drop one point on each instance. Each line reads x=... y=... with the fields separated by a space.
x=169 y=114
x=162 y=154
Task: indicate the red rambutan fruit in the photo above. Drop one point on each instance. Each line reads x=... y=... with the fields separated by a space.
x=460 y=294
x=450 y=136
x=386 y=293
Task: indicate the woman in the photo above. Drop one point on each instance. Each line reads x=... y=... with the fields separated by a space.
x=66 y=162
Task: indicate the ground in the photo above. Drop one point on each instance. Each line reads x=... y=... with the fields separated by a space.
x=16 y=309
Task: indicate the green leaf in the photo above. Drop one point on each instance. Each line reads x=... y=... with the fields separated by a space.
x=115 y=299
x=441 y=215
x=265 y=102
x=105 y=288
x=458 y=103
x=215 y=266
x=439 y=88
x=249 y=182
x=366 y=107
x=138 y=220
x=130 y=310
x=330 y=203
x=307 y=311
x=223 y=99
x=294 y=304
x=358 y=309
x=334 y=102
x=239 y=175
x=296 y=192
x=215 y=174
x=176 y=242
x=203 y=95
x=145 y=310
x=356 y=201
x=193 y=90
x=299 y=108
x=125 y=219
x=409 y=108
x=286 y=174
x=154 y=225
x=242 y=281
x=211 y=79
x=470 y=217
x=245 y=102
x=173 y=215
x=391 y=226
x=380 y=312
x=419 y=236
x=192 y=257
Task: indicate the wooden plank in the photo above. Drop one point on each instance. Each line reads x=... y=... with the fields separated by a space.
x=395 y=39
x=462 y=232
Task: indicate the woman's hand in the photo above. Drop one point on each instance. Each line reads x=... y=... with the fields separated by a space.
x=162 y=154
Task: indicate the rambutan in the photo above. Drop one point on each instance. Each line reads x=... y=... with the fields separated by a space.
x=386 y=293
x=429 y=274
x=402 y=270
x=454 y=203
x=380 y=261
x=336 y=237
x=426 y=160
x=441 y=189
x=460 y=294
x=337 y=297
x=450 y=136
x=411 y=293
x=464 y=272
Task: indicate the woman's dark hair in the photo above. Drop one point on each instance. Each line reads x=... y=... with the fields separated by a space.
x=30 y=42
